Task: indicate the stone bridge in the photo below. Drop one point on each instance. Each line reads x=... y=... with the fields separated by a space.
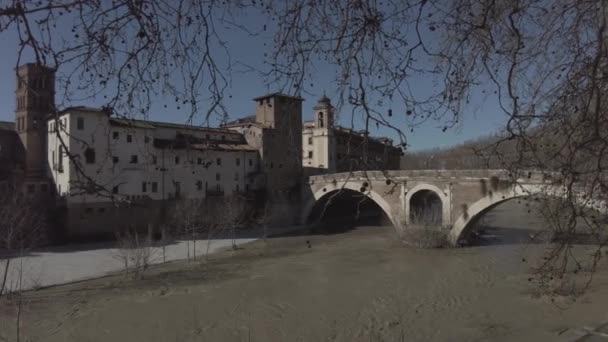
x=459 y=197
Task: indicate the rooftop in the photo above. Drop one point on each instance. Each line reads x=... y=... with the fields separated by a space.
x=157 y=124
x=278 y=94
x=243 y=120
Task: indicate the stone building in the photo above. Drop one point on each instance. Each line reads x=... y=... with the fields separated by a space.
x=331 y=148
x=106 y=172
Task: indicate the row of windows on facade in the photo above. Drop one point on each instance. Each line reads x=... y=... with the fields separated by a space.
x=38 y=84
x=30 y=188
x=89 y=155
x=340 y=155
x=153 y=186
x=35 y=102
x=116 y=135
x=22 y=123
x=60 y=123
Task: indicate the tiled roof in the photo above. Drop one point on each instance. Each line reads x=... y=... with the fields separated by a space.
x=156 y=124
x=278 y=94
x=225 y=147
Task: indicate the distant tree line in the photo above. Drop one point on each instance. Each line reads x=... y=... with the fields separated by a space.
x=478 y=153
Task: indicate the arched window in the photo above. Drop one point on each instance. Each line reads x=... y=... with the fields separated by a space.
x=321 y=119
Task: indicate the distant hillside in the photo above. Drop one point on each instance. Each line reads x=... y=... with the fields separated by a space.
x=479 y=153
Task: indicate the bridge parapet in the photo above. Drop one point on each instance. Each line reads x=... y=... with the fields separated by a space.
x=401 y=175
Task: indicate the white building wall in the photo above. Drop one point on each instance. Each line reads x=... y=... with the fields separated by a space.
x=58 y=161
x=128 y=166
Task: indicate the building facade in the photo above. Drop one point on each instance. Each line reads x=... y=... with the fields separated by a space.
x=329 y=148
x=108 y=172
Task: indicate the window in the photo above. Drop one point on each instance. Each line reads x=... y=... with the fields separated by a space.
x=218 y=161
x=88 y=210
x=129 y=138
x=207 y=136
x=199 y=185
x=218 y=176
x=31 y=188
x=115 y=189
x=309 y=140
x=115 y=135
x=309 y=154
x=154 y=160
x=60 y=161
x=44 y=187
x=89 y=155
x=250 y=162
x=236 y=176
x=115 y=159
x=237 y=188
x=80 y=123
x=178 y=188
x=101 y=210
x=271 y=165
x=238 y=161
x=176 y=160
x=199 y=161
x=223 y=137
x=133 y=159
x=154 y=187
x=144 y=187
x=146 y=139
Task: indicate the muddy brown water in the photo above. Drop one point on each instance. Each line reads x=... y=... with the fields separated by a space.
x=359 y=285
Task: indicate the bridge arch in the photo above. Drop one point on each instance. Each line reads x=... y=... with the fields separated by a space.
x=331 y=188
x=443 y=197
x=493 y=199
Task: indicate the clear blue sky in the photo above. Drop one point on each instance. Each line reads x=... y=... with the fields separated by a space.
x=483 y=117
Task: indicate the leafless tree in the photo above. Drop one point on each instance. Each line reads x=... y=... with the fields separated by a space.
x=544 y=63
x=265 y=218
x=233 y=215
x=23 y=223
x=135 y=251
x=187 y=217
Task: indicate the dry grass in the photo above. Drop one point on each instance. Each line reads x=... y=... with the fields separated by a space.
x=423 y=233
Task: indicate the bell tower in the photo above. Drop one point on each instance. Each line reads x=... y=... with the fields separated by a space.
x=35 y=99
x=324 y=113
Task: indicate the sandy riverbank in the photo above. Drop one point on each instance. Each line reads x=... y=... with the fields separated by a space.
x=362 y=285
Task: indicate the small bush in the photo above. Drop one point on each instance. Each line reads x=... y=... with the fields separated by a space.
x=424 y=233
x=135 y=252
x=424 y=237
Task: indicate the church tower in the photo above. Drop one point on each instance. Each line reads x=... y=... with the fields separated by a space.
x=324 y=113
x=324 y=154
x=35 y=99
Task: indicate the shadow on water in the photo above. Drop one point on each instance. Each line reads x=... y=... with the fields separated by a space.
x=515 y=222
x=342 y=211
